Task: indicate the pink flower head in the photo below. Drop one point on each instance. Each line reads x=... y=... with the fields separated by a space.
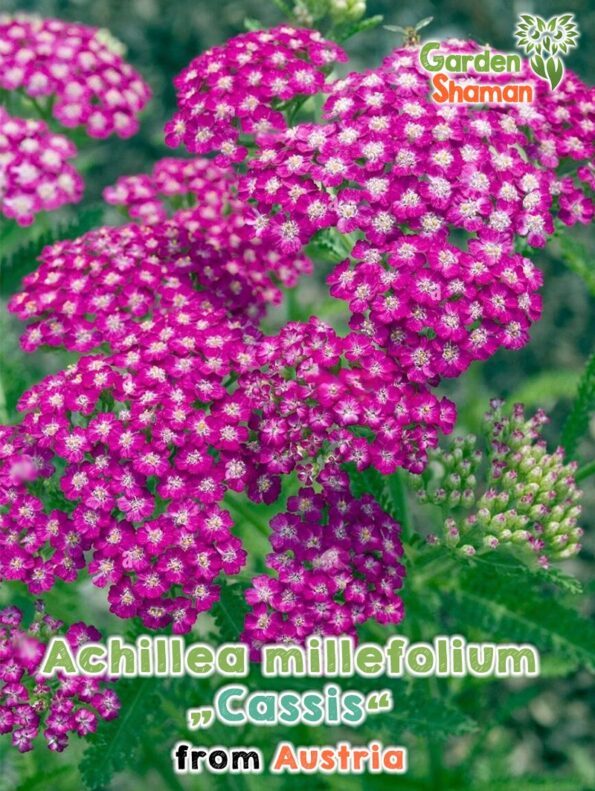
x=100 y=287
x=143 y=483
x=56 y=706
x=35 y=174
x=337 y=566
x=80 y=67
x=439 y=195
x=239 y=88
x=218 y=217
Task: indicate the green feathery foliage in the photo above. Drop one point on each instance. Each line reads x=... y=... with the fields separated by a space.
x=502 y=610
x=347 y=31
x=423 y=713
x=229 y=613
x=22 y=260
x=42 y=782
x=370 y=481
x=577 y=422
x=388 y=490
x=113 y=746
x=576 y=258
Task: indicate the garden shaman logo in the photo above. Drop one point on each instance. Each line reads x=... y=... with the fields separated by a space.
x=486 y=61
x=544 y=42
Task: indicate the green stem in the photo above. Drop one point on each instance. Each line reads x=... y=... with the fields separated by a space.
x=432 y=570
x=294 y=311
x=294 y=110
x=585 y=472
x=244 y=511
x=435 y=746
x=398 y=492
x=3 y=404
x=42 y=112
x=435 y=761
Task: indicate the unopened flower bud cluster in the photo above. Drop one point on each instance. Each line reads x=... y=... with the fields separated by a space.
x=518 y=495
x=347 y=10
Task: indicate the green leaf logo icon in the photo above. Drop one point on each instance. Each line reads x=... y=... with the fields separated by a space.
x=545 y=41
x=555 y=71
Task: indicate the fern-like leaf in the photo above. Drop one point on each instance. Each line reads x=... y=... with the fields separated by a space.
x=577 y=422
x=363 y=25
x=113 y=747
x=506 y=564
x=370 y=481
x=229 y=613
x=397 y=493
x=423 y=713
x=502 y=609
x=330 y=246
x=576 y=258
x=388 y=490
x=18 y=263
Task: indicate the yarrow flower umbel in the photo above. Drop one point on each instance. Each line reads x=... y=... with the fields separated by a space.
x=122 y=462
x=127 y=458
x=240 y=88
x=78 y=68
x=432 y=203
x=214 y=213
x=98 y=288
x=35 y=174
x=337 y=564
x=58 y=706
x=319 y=394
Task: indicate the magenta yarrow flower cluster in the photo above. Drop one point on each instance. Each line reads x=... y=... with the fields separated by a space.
x=35 y=174
x=432 y=306
x=199 y=181
x=79 y=68
x=127 y=457
x=123 y=460
x=240 y=89
x=31 y=704
x=432 y=200
x=320 y=394
x=561 y=121
x=215 y=213
x=96 y=289
x=336 y=558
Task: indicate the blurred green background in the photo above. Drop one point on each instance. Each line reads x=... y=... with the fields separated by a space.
x=544 y=735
